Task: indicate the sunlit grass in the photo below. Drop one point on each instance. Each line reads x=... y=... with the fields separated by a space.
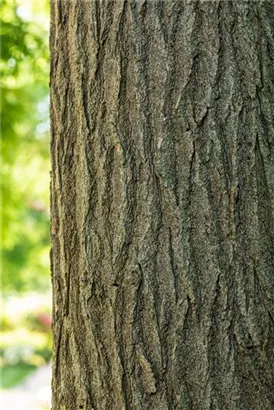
x=15 y=374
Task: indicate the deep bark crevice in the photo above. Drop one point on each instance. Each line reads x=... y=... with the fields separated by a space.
x=162 y=205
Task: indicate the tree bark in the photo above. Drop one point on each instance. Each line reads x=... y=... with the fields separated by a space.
x=162 y=200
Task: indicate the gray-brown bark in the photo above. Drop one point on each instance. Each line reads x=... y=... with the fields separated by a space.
x=162 y=204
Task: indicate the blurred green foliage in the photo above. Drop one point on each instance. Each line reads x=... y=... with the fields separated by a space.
x=25 y=145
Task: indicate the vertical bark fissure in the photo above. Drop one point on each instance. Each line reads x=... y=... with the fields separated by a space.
x=162 y=204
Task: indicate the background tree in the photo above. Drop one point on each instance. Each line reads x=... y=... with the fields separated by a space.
x=162 y=204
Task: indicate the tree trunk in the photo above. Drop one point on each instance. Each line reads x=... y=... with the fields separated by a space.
x=162 y=204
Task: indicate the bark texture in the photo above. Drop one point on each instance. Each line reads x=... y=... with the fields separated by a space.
x=162 y=204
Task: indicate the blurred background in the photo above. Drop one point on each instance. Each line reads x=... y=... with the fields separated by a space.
x=26 y=294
